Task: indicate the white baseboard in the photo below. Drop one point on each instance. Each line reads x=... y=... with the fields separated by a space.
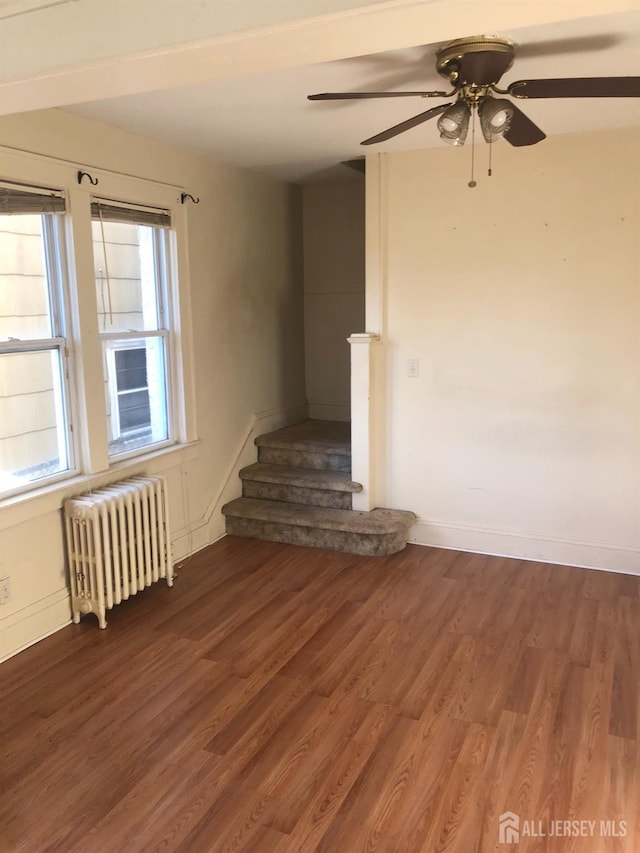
x=33 y=623
x=330 y=411
x=272 y=419
x=527 y=546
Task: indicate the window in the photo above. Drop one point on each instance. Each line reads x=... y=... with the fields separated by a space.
x=95 y=356
x=35 y=441
x=130 y=255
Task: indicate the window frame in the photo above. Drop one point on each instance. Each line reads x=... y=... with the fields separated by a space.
x=83 y=371
x=57 y=279
x=162 y=274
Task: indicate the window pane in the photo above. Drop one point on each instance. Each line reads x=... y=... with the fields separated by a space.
x=135 y=410
x=33 y=434
x=131 y=369
x=25 y=311
x=136 y=393
x=127 y=277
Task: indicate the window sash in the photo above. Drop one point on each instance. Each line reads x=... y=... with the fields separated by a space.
x=53 y=248
x=113 y=342
x=155 y=311
x=62 y=402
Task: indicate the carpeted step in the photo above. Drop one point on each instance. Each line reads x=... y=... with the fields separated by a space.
x=374 y=533
x=321 y=445
x=319 y=436
x=298 y=485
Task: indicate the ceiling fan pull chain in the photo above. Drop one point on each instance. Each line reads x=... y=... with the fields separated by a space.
x=490 y=150
x=472 y=182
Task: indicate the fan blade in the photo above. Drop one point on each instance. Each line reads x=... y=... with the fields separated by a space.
x=577 y=87
x=406 y=125
x=484 y=67
x=522 y=131
x=344 y=96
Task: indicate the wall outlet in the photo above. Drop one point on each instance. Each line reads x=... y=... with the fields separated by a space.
x=5 y=590
x=413 y=367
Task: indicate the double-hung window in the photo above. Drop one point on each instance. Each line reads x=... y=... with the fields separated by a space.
x=130 y=248
x=35 y=418
x=95 y=359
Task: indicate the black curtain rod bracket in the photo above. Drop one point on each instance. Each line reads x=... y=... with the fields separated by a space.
x=92 y=181
x=185 y=196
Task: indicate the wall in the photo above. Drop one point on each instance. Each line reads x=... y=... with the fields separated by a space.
x=333 y=228
x=520 y=298
x=245 y=264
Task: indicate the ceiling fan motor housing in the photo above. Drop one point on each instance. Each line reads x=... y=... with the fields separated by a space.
x=475 y=62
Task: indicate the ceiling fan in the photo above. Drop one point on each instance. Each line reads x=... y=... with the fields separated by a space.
x=473 y=66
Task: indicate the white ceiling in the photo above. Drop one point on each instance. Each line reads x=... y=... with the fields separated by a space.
x=248 y=106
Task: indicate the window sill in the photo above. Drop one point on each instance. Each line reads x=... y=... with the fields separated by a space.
x=18 y=509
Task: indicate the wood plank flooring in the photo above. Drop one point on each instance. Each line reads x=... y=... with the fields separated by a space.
x=281 y=699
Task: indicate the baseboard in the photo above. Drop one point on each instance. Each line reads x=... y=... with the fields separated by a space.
x=29 y=625
x=330 y=411
x=527 y=546
x=272 y=419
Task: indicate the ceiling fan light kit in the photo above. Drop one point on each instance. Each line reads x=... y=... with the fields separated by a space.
x=495 y=118
x=453 y=124
x=473 y=67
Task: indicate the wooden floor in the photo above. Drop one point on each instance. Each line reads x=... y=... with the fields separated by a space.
x=284 y=699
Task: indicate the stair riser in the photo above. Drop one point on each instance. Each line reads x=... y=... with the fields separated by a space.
x=304 y=459
x=368 y=545
x=296 y=494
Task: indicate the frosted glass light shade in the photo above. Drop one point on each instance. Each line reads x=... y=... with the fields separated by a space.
x=453 y=124
x=495 y=118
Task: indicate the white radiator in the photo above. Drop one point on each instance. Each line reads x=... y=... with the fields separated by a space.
x=117 y=543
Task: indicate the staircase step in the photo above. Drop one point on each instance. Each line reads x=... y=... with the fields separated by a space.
x=304 y=459
x=315 y=436
x=308 y=478
x=298 y=485
x=378 y=532
x=321 y=445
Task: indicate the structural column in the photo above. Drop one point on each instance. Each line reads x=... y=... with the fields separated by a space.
x=363 y=357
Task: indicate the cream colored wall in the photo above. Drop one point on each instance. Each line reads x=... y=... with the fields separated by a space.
x=245 y=265
x=333 y=217
x=521 y=300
